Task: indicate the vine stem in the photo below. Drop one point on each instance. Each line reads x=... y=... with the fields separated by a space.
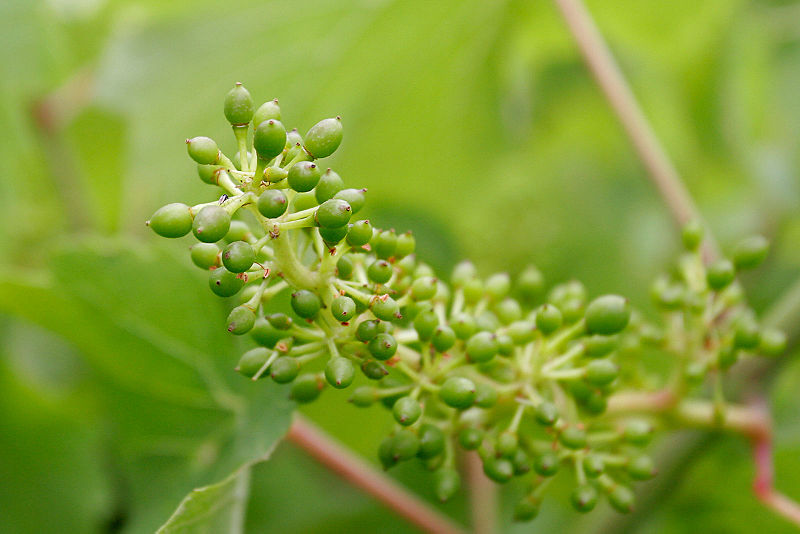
x=344 y=463
x=482 y=496
x=606 y=72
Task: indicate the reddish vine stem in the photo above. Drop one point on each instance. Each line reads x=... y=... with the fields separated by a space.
x=338 y=459
x=482 y=496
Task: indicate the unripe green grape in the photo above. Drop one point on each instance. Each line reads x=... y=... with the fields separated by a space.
x=238 y=257
x=571 y=310
x=522 y=332
x=272 y=203
x=241 y=320
x=508 y=310
x=498 y=285
x=443 y=338
x=405 y=445
x=487 y=321
x=379 y=271
x=598 y=346
x=406 y=411
x=463 y=272
x=279 y=321
x=593 y=465
x=332 y=236
x=203 y=150
x=359 y=233
x=485 y=395
x=447 y=483
x=239 y=106
x=458 y=392
x=601 y=372
x=548 y=319
x=354 y=197
x=385 y=308
x=580 y=390
x=269 y=139
x=329 y=184
x=209 y=173
x=621 y=499
x=385 y=454
x=340 y=372
x=211 y=224
x=306 y=388
x=546 y=413
x=500 y=470
x=384 y=244
x=463 y=325
x=425 y=324
x=470 y=438
x=641 y=467
x=373 y=370
x=638 y=432
x=584 y=498
x=333 y=213
x=546 y=464
x=266 y=111
x=720 y=274
x=750 y=252
x=305 y=303
x=224 y=283
x=481 y=347
x=772 y=342
x=746 y=334
x=424 y=288
x=521 y=462
x=265 y=334
x=507 y=444
x=405 y=245
x=172 y=220
x=596 y=404
x=366 y=330
x=505 y=345
x=324 y=138
x=607 y=315
x=364 y=396
x=284 y=369
x=205 y=255
x=343 y=308
x=431 y=439
x=252 y=361
x=304 y=176
x=530 y=283
x=383 y=346
x=344 y=267
x=385 y=327
x=238 y=231
x=572 y=437
x=692 y=235
x=526 y=509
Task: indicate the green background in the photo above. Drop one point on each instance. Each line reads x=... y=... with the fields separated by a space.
x=473 y=123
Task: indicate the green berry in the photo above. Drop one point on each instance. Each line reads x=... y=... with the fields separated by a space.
x=269 y=139
x=280 y=321
x=305 y=303
x=500 y=470
x=593 y=465
x=266 y=111
x=252 y=361
x=239 y=106
x=498 y=285
x=333 y=213
x=773 y=342
x=324 y=138
x=431 y=439
x=366 y=330
x=405 y=445
x=385 y=453
x=354 y=197
x=385 y=308
x=343 y=308
x=507 y=444
x=374 y=370
x=364 y=396
x=638 y=432
x=572 y=437
x=265 y=334
x=332 y=236
x=340 y=372
x=239 y=231
x=425 y=324
x=485 y=395
x=481 y=347
x=224 y=283
x=238 y=257
x=548 y=319
x=505 y=345
x=172 y=220
x=607 y=315
x=284 y=370
x=359 y=233
x=747 y=334
x=463 y=325
x=621 y=499
x=211 y=224
x=470 y=438
x=306 y=388
x=205 y=255
x=406 y=411
x=601 y=372
x=641 y=467
x=447 y=483
x=546 y=413
x=508 y=310
x=329 y=184
x=599 y=346
x=272 y=203
x=750 y=252
x=458 y=392
x=424 y=288
x=443 y=338
x=487 y=321
x=208 y=173
x=596 y=404
x=304 y=176
x=379 y=271
x=384 y=244
x=720 y=274
x=241 y=320
x=522 y=332
x=344 y=267
x=203 y=150
x=692 y=235
x=521 y=461
x=546 y=464
x=530 y=283
x=405 y=245
x=304 y=201
x=526 y=509
x=584 y=498
x=383 y=346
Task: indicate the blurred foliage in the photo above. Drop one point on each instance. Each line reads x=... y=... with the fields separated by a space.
x=473 y=123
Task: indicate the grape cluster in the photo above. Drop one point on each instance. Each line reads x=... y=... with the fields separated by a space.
x=495 y=365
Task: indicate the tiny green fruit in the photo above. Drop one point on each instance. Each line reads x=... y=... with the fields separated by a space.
x=172 y=220
x=607 y=315
x=324 y=138
x=211 y=224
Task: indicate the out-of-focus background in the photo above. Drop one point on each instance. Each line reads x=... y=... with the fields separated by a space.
x=473 y=123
